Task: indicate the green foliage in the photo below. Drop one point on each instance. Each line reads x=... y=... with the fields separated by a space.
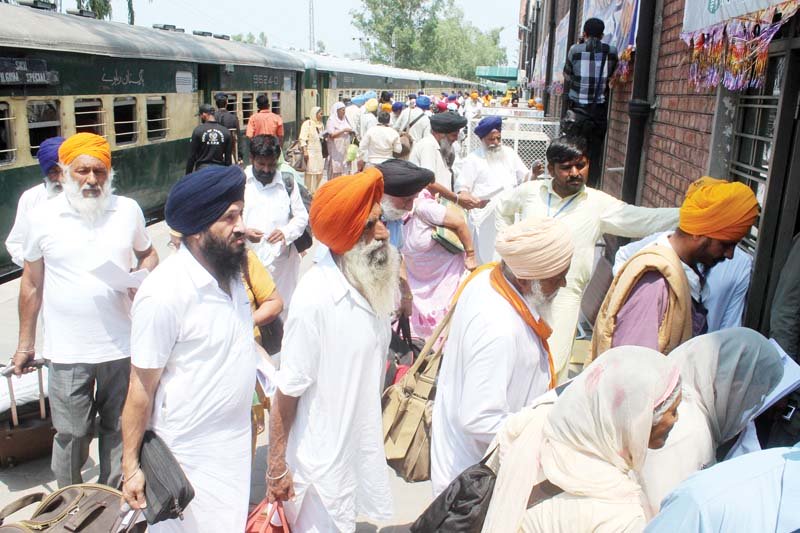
x=427 y=35
x=321 y=48
x=101 y=8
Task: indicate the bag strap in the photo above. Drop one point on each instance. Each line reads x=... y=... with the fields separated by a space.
x=543 y=492
x=20 y=503
x=411 y=124
x=425 y=354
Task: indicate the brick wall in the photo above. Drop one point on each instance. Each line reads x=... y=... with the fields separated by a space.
x=617 y=139
x=679 y=136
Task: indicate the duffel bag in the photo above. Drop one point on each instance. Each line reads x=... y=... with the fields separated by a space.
x=86 y=508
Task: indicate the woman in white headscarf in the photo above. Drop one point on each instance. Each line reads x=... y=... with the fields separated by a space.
x=589 y=443
x=312 y=149
x=339 y=132
x=726 y=376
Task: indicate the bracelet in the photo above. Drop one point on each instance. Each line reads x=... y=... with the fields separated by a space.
x=408 y=298
x=138 y=469
x=25 y=351
x=278 y=477
x=469 y=251
x=457 y=200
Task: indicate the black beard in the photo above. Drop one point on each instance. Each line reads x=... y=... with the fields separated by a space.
x=223 y=258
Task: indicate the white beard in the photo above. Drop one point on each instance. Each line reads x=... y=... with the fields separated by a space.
x=538 y=301
x=90 y=208
x=496 y=156
x=53 y=188
x=390 y=212
x=374 y=270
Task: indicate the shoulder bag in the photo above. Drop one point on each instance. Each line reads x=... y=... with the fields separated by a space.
x=306 y=240
x=166 y=490
x=272 y=333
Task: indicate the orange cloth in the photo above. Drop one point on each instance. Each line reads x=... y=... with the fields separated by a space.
x=265 y=122
x=504 y=288
x=718 y=209
x=341 y=207
x=85 y=144
x=386 y=107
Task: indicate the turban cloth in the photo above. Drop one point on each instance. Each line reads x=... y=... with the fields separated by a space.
x=371 y=105
x=423 y=102
x=370 y=94
x=359 y=100
x=486 y=125
x=452 y=98
x=48 y=153
x=473 y=94
x=397 y=106
x=404 y=178
x=718 y=209
x=452 y=107
x=197 y=200
x=85 y=144
x=441 y=105
x=341 y=208
x=536 y=248
x=386 y=107
x=447 y=122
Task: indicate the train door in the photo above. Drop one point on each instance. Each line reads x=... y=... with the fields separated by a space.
x=207 y=82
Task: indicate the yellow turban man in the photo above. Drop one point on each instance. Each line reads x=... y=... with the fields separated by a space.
x=85 y=144
x=718 y=209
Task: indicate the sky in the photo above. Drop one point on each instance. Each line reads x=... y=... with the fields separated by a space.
x=286 y=23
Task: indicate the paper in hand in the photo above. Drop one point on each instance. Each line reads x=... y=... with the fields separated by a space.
x=118 y=279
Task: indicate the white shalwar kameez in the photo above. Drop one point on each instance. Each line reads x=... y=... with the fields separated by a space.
x=485 y=179
x=15 y=241
x=202 y=338
x=334 y=361
x=270 y=207
x=493 y=366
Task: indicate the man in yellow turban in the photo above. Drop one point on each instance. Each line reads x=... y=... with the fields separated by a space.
x=473 y=106
x=87 y=338
x=498 y=359
x=657 y=298
x=332 y=361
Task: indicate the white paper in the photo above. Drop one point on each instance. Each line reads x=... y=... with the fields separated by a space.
x=118 y=279
x=748 y=440
x=491 y=194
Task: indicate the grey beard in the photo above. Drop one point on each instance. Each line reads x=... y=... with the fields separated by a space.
x=536 y=299
x=390 y=212
x=374 y=270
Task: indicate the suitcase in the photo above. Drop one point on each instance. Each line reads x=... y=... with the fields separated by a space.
x=26 y=435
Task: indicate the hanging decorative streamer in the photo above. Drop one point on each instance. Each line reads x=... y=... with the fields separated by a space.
x=735 y=52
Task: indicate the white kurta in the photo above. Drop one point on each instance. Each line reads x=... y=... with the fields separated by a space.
x=485 y=179
x=589 y=214
x=418 y=128
x=379 y=144
x=493 y=366
x=334 y=360
x=16 y=237
x=426 y=154
x=267 y=208
x=202 y=338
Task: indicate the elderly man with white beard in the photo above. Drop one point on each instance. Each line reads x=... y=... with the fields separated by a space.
x=489 y=170
x=87 y=339
x=326 y=459
x=496 y=357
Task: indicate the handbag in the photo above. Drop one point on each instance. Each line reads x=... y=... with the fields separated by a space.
x=352 y=152
x=166 y=490
x=294 y=156
x=306 y=240
x=463 y=505
x=447 y=237
x=259 y=520
x=403 y=351
x=408 y=411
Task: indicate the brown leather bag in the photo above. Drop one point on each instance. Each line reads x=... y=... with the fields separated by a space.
x=87 y=508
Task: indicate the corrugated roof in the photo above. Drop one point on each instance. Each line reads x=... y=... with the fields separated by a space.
x=24 y=27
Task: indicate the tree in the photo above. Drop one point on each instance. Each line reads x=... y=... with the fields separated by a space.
x=101 y=8
x=262 y=39
x=321 y=48
x=428 y=35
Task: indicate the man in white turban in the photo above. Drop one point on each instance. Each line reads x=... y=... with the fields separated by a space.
x=496 y=358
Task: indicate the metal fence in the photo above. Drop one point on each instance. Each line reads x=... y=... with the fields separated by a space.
x=527 y=131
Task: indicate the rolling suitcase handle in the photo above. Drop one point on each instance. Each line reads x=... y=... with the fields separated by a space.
x=8 y=372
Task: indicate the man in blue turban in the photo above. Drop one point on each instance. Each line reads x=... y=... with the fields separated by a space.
x=489 y=170
x=192 y=342
x=51 y=172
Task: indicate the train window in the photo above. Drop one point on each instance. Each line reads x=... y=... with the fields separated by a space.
x=89 y=116
x=7 y=150
x=247 y=107
x=44 y=121
x=232 y=101
x=157 y=117
x=276 y=102
x=125 y=124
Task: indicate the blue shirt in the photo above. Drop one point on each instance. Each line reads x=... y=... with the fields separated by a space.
x=757 y=492
x=395 y=228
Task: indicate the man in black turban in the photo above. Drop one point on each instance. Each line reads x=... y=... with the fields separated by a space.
x=206 y=208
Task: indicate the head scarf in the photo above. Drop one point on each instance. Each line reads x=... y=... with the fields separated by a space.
x=335 y=123
x=725 y=377
x=447 y=122
x=397 y=106
x=198 y=199
x=372 y=105
x=423 y=102
x=599 y=429
x=85 y=144
x=487 y=124
x=48 y=153
x=313 y=115
x=718 y=209
x=341 y=207
x=536 y=248
x=404 y=178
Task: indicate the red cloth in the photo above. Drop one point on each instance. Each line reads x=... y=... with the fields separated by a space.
x=341 y=208
x=265 y=122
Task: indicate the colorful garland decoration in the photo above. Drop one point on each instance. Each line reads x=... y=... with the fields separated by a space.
x=624 y=70
x=735 y=52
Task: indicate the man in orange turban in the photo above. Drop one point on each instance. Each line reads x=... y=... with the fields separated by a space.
x=657 y=298
x=333 y=356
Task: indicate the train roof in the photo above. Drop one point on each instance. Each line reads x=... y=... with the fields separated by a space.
x=45 y=30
